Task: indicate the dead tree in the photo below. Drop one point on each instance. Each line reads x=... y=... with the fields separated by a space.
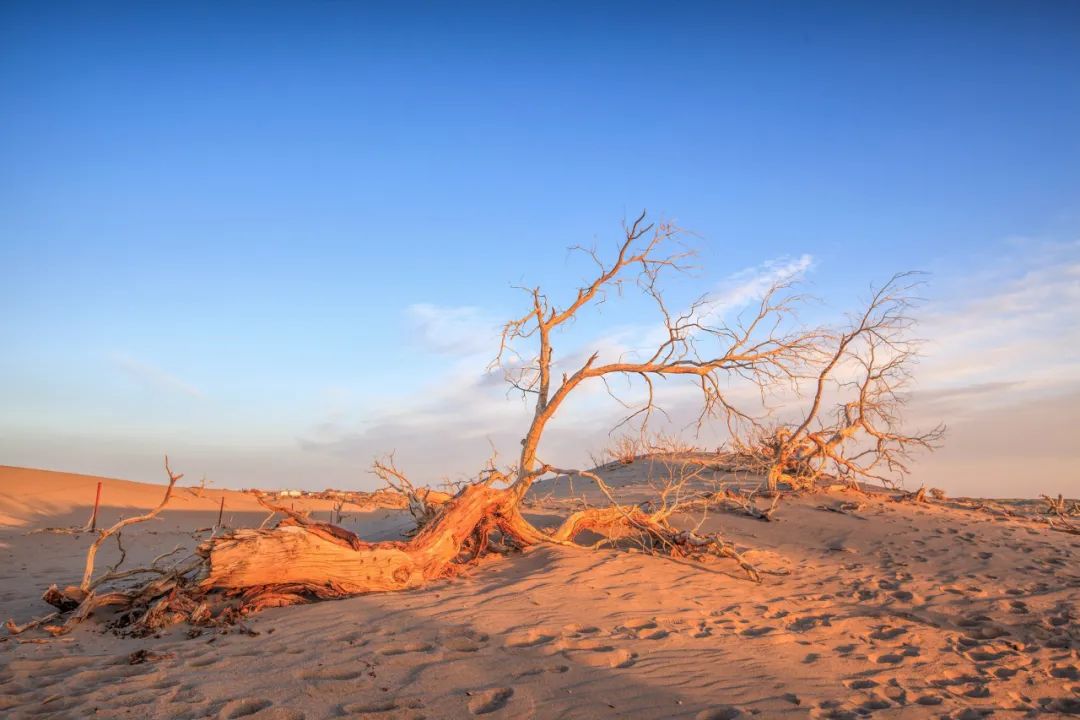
x=865 y=368
x=696 y=345
x=299 y=559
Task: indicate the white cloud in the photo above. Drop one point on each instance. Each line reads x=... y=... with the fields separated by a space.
x=153 y=377
x=751 y=284
x=451 y=330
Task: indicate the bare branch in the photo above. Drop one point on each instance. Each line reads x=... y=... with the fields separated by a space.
x=88 y=573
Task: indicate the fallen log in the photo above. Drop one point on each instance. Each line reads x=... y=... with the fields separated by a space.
x=331 y=561
x=301 y=560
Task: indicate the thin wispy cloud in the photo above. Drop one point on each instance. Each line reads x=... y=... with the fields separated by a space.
x=751 y=284
x=732 y=295
x=448 y=330
x=1017 y=323
x=153 y=377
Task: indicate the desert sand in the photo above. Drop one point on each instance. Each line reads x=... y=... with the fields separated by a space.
x=888 y=609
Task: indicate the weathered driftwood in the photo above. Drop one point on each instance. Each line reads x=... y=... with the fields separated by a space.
x=324 y=558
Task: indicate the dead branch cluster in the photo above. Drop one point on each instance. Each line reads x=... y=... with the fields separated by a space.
x=423 y=503
x=628 y=448
x=144 y=605
x=1062 y=512
x=682 y=483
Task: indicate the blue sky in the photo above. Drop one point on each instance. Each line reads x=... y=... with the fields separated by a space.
x=265 y=237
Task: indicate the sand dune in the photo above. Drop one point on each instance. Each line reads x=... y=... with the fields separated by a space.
x=895 y=610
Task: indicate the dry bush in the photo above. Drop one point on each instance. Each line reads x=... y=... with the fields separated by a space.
x=625 y=449
x=670 y=444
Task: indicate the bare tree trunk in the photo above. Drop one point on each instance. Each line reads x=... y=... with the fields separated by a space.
x=330 y=561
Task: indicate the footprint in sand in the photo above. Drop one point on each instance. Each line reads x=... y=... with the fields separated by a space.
x=489 y=701
x=722 y=712
x=1065 y=672
x=895 y=693
x=1067 y=705
x=556 y=669
x=278 y=713
x=187 y=693
x=1018 y=607
x=574 y=629
x=527 y=639
x=598 y=654
x=462 y=639
x=1059 y=620
x=243 y=707
x=993 y=630
x=888 y=633
x=890 y=659
x=414 y=647
x=951 y=678
x=164 y=684
x=389 y=709
x=874 y=702
x=355 y=638
x=833 y=710
x=757 y=631
x=810 y=622
x=642 y=628
x=988 y=656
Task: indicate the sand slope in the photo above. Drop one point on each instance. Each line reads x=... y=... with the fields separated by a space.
x=896 y=611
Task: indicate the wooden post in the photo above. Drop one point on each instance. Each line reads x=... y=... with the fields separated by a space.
x=220 y=511
x=97 y=502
